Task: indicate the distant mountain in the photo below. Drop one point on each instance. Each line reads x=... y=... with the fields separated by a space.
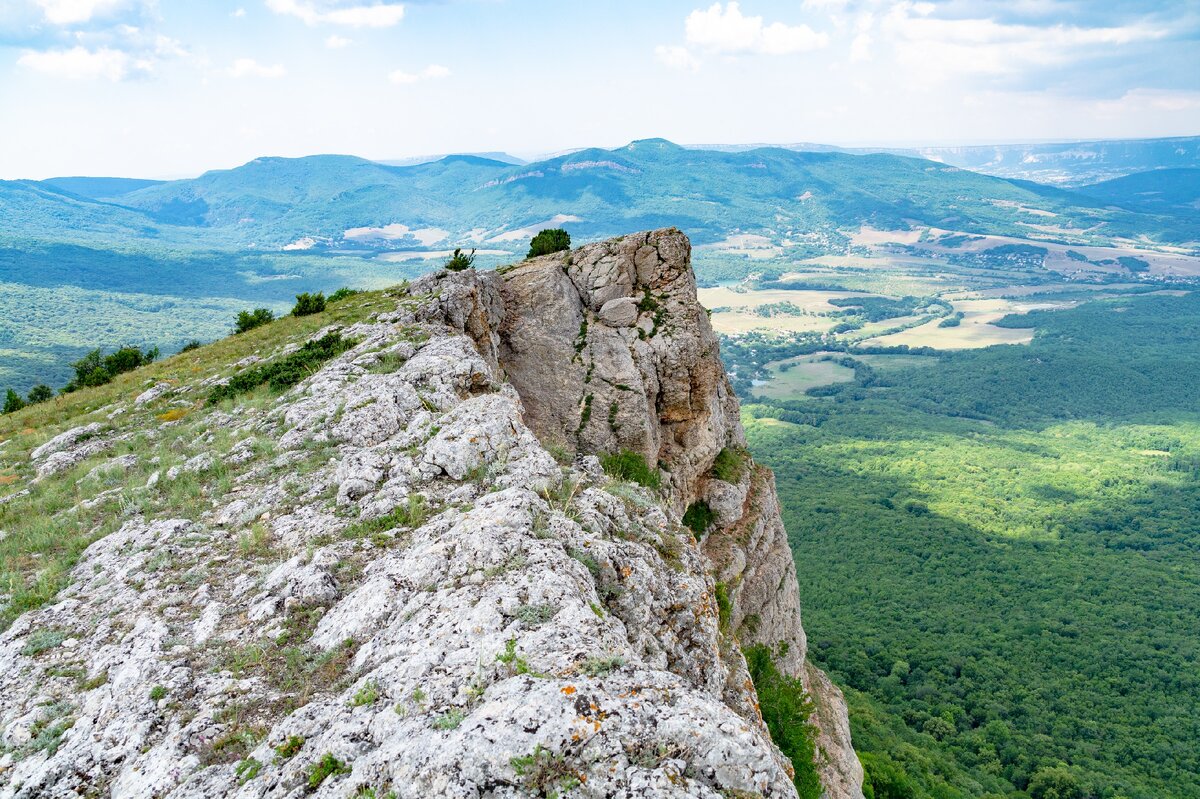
x=1161 y=191
x=495 y=155
x=96 y=188
x=1071 y=163
x=784 y=197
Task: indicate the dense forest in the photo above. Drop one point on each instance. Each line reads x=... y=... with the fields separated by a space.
x=999 y=555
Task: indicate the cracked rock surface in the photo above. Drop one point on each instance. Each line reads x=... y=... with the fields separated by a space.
x=400 y=588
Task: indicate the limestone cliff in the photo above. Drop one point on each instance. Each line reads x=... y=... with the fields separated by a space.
x=383 y=581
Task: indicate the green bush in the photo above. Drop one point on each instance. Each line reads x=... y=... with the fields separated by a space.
x=307 y=304
x=460 y=261
x=248 y=320
x=12 y=402
x=327 y=766
x=194 y=344
x=96 y=369
x=730 y=465
x=285 y=372
x=548 y=241
x=40 y=393
x=631 y=466
x=343 y=293
x=785 y=708
x=698 y=518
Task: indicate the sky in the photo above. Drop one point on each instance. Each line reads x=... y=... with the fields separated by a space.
x=171 y=88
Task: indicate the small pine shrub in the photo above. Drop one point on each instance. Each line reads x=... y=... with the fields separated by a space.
x=13 y=402
x=548 y=241
x=631 y=466
x=308 y=304
x=40 y=393
x=194 y=344
x=460 y=261
x=158 y=692
x=248 y=320
x=342 y=294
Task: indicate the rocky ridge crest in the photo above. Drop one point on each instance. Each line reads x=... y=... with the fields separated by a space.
x=396 y=586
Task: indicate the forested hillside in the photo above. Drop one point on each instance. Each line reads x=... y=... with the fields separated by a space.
x=1012 y=556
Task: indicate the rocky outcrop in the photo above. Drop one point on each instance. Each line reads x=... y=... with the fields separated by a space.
x=393 y=585
x=617 y=333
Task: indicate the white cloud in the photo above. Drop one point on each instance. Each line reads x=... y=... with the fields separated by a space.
x=676 y=57
x=376 y=15
x=860 y=45
x=249 y=68
x=80 y=63
x=726 y=30
x=241 y=12
x=431 y=72
x=71 y=12
x=938 y=48
x=336 y=42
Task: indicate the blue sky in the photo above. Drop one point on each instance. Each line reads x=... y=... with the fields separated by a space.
x=160 y=88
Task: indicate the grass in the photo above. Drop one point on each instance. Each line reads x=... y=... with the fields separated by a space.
x=698 y=518
x=47 y=529
x=328 y=766
x=545 y=773
x=730 y=464
x=631 y=466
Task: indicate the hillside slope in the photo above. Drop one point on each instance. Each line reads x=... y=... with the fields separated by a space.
x=382 y=580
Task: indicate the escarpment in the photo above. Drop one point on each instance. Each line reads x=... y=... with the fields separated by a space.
x=410 y=575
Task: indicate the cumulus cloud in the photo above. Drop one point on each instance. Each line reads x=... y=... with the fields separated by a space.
x=80 y=63
x=249 y=68
x=375 y=15
x=73 y=12
x=676 y=57
x=941 y=48
x=431 y=72
x=726 y=30
x=336 y=42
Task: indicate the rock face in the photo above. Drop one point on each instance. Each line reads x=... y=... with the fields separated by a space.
x=402 y=590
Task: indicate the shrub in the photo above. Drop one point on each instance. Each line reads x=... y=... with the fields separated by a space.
x=730 y=465
x=285 y=372
x=698 y=518
x=548 y=241
x=96 y=369
x=40 y=393
x=13 y=402
x=289 y=748
x=631 y=466
x=785 y=708
x=327 y=766
x=248 y=320
x=724 y=605
x=460 y=261
x=343 y=293
x=194 y=344
x=307 y=304
x=158 y=692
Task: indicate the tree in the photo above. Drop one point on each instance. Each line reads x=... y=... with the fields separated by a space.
x=1055 y=782
x=307 y=304
x=40 y=393
x=548 y=241
x=460 y=261
x=12 y=402
x=248 y=320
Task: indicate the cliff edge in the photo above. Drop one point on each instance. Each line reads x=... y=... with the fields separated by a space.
x=410 y=574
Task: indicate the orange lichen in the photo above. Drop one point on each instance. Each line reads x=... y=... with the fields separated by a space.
x=568 y=689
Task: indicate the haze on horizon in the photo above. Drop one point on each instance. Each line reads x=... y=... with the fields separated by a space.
x=165 y=88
